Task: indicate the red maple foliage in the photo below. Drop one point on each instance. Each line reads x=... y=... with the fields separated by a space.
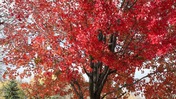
x=105 y=39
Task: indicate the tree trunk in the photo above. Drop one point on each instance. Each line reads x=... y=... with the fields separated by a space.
x=97 y=79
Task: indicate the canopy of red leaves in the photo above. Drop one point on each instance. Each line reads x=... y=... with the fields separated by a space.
x=63 y=35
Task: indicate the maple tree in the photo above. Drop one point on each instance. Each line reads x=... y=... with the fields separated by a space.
x=105 y=39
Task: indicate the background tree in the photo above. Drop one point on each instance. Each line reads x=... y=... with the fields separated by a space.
x=45 y=85
x=104 y=39
x=7 y=87
x=11 y=90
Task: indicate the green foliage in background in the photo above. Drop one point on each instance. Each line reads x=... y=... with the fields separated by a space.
x=11 y=90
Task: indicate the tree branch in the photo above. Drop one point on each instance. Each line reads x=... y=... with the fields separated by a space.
x=121 y=95
x=104 y=77
x=123 y=2
x=78 y=91
x=112 y=71
x=126 y=85
x=88 y=74
x=133 y=4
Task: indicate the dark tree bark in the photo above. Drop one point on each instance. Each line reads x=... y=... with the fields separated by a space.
x=97 y=79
